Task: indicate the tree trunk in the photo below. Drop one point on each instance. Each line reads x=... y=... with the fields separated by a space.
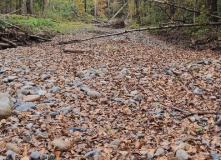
x=44 y=5
x=137 y=11
x=212 y=6
x=23 y=6
x=30 y=6
x=50 y=5
x=85 y=5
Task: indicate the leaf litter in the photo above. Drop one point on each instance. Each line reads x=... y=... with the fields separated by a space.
x=126 y=97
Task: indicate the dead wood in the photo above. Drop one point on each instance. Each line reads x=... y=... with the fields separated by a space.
x=8 y=41
x=190 y=113
x=140 y=29
x=73 y=50
x=5 y=45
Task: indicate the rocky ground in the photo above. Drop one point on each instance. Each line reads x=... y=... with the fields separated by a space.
x=126 y=97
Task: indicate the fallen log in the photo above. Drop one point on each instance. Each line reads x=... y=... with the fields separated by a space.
x=190 y=113
x=118 y=11
x=5 y=45
x=140 y=29
x=73 y=50
x=183 y=7
x=9 y=42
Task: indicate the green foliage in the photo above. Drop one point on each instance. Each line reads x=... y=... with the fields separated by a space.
x=36 y=25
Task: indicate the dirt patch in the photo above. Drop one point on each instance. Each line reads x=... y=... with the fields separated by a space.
x=175 y=37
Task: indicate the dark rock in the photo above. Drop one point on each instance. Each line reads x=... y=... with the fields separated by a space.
x=35 y=156
x=54 y=114
x=80 y=129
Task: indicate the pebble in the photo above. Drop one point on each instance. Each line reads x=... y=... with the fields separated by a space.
x=213 y=98
x=205 y=119
x=198 y=91
x=29 y=125
x=73 y=129
x=35 y=156
x=61 y=144
x=182 y=154
x=92 y=153
x=93 y=94
x=31 y=98
x=17 y=70
x=11 y=78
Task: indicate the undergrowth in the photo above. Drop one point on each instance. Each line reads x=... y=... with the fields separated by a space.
x=47 y=25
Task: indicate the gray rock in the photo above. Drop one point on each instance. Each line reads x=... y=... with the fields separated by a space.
x=92 y=153
x=214 y=155
x=182 y=154
x=76 y=110
x=77 y=83
x=73 y=129
x=85 y=88
x=115 y=142
x=6 y=105
x=45 y=76
x=198 y=91
x=10 y=155
x=218 y=123
x=29 y=125
x=2 y=158
x=192 y=119
x=17 y=70
x=123 y=71
x=213 y=98
x=159 y=151
x=55 y=89
x=54 y=114
x=41 y=92
x=205 y=142
x=35 y=156
x=93 y=94
x=26 y=106
x=2 y=71
x=205 y=119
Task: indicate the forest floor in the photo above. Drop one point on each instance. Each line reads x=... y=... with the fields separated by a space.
x=124 y=97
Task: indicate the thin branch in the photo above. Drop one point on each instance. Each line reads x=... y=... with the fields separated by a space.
x=140 y=29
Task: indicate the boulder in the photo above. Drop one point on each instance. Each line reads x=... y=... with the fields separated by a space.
x=6 y=105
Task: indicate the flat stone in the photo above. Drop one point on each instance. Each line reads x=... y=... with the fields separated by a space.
x=11 y=78
x=13 y=147
x=26 y=107
x=6 y=105
x=92 y=153
x=17 y=70
x=31 y=98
